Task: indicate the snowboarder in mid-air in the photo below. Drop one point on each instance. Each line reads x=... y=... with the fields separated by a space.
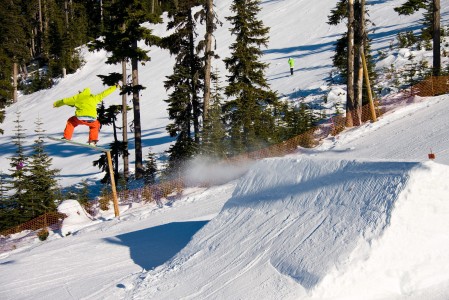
x=85 y=113
x=291 y=63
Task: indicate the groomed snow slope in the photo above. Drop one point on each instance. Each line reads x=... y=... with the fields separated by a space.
x=311 y=228
x=96 y=261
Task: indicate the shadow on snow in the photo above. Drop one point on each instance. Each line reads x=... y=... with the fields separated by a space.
x=154 y=246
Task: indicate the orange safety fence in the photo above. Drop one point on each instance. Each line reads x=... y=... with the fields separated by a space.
x=432 y=86
x=156 y=193
x=48 y=221
x=171 y=189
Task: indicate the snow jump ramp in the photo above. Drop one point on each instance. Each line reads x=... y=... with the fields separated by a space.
x=310 y=228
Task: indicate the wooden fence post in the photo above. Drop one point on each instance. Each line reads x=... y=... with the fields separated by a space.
x=114 y=190
x=368 y=86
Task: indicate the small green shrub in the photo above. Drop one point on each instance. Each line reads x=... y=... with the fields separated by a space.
x=43 y=234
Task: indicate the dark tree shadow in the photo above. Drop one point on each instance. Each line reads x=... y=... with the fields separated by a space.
x=154 y=246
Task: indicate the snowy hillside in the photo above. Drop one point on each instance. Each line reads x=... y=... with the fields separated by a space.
x=363 y=216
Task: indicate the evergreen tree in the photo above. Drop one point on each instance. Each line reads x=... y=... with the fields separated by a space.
x=356 y=95
x=339 y=13
x=95 y=18
x=108 y=116
x=431 y=25
x=123 y=30
x=57 y=27
x=294 y=120
x=248 y=111
x=5 y=204
x=42 y=185
x=340 y=57
x=64 y=36
x=5 y=92
x=301 y=119
x=13 y=41
x=207 y=15
x=150 y=170
x=19 y=183
x=41 y=32
x=185 y=83
x=83 y=197
x=102 y=164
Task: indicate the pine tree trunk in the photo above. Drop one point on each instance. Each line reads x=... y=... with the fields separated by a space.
x=137 y=125
x=44 y=37
x=45 y=16
x=41 y=26
x=24 y=70
x=116 y=154
x=194 y=84
x=208 y=54
x=33 y=42
x=66 y=10
x=125 y=126
x=101 y=12
x=41 y=30
x=436 y=38
x=14 y=81
x=71 y=9
x=359 y=12
x=350 y=82
x=125 y=121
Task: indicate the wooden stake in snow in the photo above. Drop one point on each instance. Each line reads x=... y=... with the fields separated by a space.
x=368 y=87
x=111 y=170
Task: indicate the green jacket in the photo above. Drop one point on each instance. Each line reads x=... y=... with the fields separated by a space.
x=84 y=102
x=291 y=62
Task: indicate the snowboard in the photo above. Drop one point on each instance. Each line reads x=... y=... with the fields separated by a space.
x=101 y=149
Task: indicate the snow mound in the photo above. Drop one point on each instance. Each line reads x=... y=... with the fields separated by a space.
x=77 y=217
x=336 y=95
x=315 y=229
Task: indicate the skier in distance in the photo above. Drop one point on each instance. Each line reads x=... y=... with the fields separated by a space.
x=291 y=63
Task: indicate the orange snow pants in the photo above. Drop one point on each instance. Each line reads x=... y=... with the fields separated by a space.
x=94 y=128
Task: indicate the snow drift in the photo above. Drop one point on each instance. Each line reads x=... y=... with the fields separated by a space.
x=317 y=228
x=76 y=217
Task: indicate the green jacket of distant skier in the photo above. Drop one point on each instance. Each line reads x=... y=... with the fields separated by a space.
x=84 y=102
x=291 y=62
